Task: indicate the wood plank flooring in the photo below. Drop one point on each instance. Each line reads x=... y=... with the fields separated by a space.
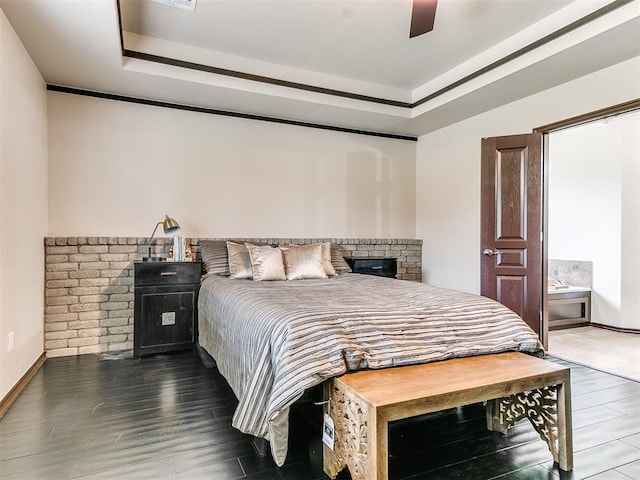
x=168 y=417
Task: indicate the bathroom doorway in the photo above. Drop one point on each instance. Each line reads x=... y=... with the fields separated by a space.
x=593 y=239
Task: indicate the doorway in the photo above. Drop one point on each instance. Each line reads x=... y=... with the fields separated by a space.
x=592 y=237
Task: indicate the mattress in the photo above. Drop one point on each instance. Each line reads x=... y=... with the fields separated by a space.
x=274 y=340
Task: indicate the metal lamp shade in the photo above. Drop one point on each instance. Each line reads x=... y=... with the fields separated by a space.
x=169 y=225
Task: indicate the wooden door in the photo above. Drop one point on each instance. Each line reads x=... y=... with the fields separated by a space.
x=511 y=238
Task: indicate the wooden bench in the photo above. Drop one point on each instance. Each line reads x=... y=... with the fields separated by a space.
x=362 y=404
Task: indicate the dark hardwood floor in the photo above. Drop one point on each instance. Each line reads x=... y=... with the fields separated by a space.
x=168 y=417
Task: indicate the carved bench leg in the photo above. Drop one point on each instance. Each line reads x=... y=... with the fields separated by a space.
x=332 y=463
x=378 y=466
x=548 y=409
x=565 y=428
x=351 y=446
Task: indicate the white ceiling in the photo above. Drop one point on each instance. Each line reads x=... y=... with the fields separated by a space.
x=346 y=63
x=365 y=40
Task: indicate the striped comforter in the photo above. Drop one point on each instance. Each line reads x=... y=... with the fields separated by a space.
x=273 y=340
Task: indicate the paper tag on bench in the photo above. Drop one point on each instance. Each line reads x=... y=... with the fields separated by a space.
x=328 y=431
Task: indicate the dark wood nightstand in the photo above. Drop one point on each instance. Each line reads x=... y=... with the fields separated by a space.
x=165 y=306
x=379 y=266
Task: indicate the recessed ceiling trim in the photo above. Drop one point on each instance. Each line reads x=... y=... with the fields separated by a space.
x=224 y=113
x=367 y=98
x=526 y=49
x=259 y=78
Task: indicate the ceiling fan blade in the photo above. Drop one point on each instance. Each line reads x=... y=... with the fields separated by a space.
x=423 y=16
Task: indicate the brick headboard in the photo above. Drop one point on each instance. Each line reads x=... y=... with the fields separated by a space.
x=89 y=284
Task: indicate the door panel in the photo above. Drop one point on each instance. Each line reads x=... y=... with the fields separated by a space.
x=511 y=206
x=511 y=290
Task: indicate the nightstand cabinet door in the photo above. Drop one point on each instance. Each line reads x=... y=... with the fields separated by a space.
x=379 y=266
x=165 y=306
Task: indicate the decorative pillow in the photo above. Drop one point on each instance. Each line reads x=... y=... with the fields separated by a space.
x=239 y=261
x=214 y=256
x=266 y=262
x=337 y=260
x=326 y=260
x=303 y=261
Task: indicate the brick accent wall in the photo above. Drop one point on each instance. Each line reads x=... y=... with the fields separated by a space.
x=89 y=284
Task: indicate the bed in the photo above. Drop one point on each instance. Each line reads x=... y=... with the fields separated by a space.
x=272 y=340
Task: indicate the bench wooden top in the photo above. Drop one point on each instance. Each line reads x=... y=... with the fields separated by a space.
x=502 y=374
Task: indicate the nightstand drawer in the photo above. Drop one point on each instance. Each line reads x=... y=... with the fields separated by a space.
x=382 y=267
x=167 y=273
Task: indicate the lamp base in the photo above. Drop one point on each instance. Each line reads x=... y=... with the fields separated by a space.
x=153 y=259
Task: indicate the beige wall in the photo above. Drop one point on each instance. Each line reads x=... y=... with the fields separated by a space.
x=585 y=209
x=630 y=221
x=594 y=211
x=23 y=207
x=448 y=168
x=116 y=168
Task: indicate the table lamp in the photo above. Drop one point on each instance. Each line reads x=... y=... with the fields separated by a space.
x=170 y=226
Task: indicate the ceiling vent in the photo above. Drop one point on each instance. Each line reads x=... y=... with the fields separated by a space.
x=184 y=4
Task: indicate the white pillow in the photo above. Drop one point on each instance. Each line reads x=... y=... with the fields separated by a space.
x=303 y=261
x=266 y=262
x=239 y=261
x=326 y=260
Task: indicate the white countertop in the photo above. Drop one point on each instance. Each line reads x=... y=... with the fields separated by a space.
x=566 y=288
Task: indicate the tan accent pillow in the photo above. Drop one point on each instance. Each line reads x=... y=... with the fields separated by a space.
x=303 y=261
x=239 y=261
x=338 y=261
x=326 y=260
x=214 y=256
x=266 y=262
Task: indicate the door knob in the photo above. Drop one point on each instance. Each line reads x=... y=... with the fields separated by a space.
x=490 y=253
